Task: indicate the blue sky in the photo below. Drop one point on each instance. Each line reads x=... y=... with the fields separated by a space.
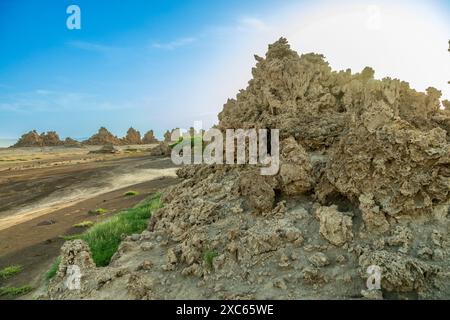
x=162 y=64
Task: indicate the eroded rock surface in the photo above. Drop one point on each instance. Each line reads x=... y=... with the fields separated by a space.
x=364 y=181
x=335 y=226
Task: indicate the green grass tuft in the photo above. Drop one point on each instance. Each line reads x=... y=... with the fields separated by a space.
x=14 y=291
x=71 y=237
x=53 y=269
x=104 y=237
x=84 y=224
x=99 y=211
x=209 y=255
x=10 y=271
x=194 y=140
x=131 y=193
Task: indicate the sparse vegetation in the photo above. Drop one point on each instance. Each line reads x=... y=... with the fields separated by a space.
x=70 y=237
x=131 y=150
x=53 y=269
x=195 y=139
x=130 y=193
x=10 y=271
x=84 y=224
x=99 y=211
x=209 y=255
x=14 y=291
x=104 y=237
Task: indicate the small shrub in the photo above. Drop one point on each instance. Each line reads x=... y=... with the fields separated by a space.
x=71 y=237
x=14 y=291
x=194 y=140
x=99 y=211
x=10 y=271
x=130 y=193
x=209 y=255
x=105 y=237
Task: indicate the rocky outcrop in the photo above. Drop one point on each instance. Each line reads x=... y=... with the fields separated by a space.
x=167 y=136
x=75 y=266
x=149 y=138
x=404 y=169
x=51 y=138
x=30 y=139
x=45 y=139
x=133 y=137
x=363 y=185
x=299 y=95
x=162 y=149
x=103 y=137
x=381 y=137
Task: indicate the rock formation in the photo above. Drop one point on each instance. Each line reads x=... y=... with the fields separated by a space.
x=30 y=139
x=103 y=137
x=167 y=136
x=364 y=182
x=69 y=142
x=45 y=139
x=51 y=138
x=149 y=138
x=162 y=149
x=369 y=128
x=133 y=137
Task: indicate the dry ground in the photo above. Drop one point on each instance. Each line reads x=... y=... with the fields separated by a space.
x=45 y=191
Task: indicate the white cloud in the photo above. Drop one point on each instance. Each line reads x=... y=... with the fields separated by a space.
x=174 y=44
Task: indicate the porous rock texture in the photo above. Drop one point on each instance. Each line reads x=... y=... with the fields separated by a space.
x=364 y=181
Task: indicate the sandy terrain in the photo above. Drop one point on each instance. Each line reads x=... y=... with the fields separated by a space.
x=45 y=191
x=34 y=183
